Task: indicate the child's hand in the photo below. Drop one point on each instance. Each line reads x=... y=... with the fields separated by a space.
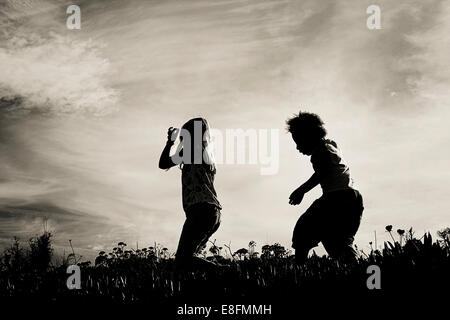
x=171 y=132
x=296 y=197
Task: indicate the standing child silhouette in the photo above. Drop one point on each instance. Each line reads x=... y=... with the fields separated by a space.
x=200 y=203
x=334 y=218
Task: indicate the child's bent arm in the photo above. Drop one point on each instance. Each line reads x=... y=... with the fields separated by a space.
x=296 y=197
x=165 y=161
x=310 y=183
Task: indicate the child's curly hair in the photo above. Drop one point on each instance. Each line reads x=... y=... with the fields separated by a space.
x=307 y=124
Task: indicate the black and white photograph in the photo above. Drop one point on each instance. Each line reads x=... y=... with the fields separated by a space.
x=225 y=159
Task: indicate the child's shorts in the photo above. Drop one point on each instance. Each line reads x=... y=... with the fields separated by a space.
x=333 y=219
x=202 y=220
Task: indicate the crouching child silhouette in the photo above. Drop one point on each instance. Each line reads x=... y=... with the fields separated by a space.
x=334 y=218
x=200 y=203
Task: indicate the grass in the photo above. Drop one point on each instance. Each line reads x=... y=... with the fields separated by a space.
x=409 y=266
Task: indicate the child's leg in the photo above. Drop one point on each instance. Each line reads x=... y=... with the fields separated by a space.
x=301 y=254
x=212 y=224
x=307 y=232
x=201 y=222
x=341 y=249
x=345 y=209
x=186 y=245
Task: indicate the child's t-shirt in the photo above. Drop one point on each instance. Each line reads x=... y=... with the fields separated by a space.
x=327 y=162
x=198 y=186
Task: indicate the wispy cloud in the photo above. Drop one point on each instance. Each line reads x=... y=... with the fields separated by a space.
x=50 y=72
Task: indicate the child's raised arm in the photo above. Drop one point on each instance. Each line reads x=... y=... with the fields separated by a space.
x=165 y=160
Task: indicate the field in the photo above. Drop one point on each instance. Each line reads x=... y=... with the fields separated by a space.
x=412 y=269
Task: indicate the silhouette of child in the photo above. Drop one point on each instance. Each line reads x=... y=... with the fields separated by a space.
x=200 y=203
x=334 y=218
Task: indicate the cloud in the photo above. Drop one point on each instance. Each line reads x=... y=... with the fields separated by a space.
x=430 y=60
x=50 y=72
x=27 y=220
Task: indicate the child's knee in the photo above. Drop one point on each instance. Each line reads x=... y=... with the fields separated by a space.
x=304 y=244
x=304 y=237
x=340 y=249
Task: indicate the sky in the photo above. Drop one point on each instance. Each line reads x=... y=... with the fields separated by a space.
x=84 y=113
